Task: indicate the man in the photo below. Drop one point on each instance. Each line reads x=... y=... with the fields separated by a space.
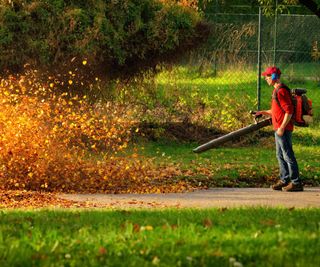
x=281 y=112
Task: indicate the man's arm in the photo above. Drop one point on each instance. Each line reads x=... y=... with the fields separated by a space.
x=286 y=105
x=286 y=119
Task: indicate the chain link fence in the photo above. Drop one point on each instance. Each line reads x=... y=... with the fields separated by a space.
x=291 y=42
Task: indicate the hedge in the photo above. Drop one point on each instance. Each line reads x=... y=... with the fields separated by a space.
x=115 y=36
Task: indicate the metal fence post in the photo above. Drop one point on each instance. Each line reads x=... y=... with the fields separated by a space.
x=259 y=60
x=275 y=35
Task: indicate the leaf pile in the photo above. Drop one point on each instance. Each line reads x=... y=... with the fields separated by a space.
x=56 y=142
x=29 y=199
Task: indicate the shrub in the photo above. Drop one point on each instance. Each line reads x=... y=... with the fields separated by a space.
x=175 y=111
x=117 y=37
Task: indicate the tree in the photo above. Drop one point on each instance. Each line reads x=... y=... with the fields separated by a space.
x=312 y=5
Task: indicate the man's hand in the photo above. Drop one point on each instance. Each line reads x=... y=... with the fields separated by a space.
x=286 y=119
x=263 y=112
x=280 y=131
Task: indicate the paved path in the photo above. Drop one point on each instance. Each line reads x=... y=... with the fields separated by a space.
x=215 y=197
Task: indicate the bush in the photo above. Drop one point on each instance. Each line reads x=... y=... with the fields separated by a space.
x=176 y=111
x=116 y=37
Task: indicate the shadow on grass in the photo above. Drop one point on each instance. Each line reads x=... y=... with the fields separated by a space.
x=306 y=139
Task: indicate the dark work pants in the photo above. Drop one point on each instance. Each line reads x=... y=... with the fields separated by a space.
x=288 y=165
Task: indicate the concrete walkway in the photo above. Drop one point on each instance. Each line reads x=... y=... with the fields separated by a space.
x=214 y=197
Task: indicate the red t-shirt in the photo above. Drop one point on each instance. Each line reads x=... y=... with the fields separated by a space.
x=278 y=113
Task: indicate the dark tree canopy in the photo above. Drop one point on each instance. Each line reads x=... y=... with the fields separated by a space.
x=312 y=6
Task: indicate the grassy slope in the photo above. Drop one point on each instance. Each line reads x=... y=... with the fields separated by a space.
x=239 y=82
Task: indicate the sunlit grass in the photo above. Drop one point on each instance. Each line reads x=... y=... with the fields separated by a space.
x=241 y=82
x=255 y=164
x=184 y=76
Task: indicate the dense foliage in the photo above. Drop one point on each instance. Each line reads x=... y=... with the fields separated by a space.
x=114 y=36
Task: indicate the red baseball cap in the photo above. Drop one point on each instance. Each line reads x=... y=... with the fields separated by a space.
x=271 y=70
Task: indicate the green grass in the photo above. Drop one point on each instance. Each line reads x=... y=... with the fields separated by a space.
x=212 y=237
x=249 y=165
x=241 y=82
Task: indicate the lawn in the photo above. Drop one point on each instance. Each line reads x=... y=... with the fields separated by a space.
x=241 y=82
x=246 y=164
x=212 y=237
x=241 y=166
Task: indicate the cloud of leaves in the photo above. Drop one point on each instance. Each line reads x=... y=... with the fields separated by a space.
x=52 y=141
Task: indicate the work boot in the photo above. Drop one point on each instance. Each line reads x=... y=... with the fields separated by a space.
x=279 y=185
x=293 y=187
